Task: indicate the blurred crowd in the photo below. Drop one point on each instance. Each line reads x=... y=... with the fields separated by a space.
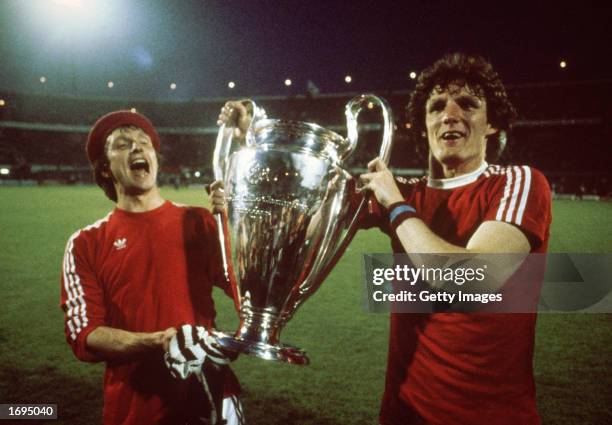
x=563 y=129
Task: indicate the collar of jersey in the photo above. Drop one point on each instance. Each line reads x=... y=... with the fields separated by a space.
x=459 y=181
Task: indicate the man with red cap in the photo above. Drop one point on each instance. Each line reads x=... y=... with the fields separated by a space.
x=137 y=290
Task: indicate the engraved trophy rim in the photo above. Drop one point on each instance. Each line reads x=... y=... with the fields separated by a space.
x=319 y=135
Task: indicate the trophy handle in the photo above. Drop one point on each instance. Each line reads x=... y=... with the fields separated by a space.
x=225 y=136
x=320 y=271
x=352 y=110
x=220 y=161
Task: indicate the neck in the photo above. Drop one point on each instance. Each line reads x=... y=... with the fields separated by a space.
x=439 y=170
x=141 y=202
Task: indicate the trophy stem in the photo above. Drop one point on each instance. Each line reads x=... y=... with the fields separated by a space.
x=258 y=335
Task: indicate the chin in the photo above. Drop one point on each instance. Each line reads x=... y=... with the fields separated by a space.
x=138 y=190
x=451 y=160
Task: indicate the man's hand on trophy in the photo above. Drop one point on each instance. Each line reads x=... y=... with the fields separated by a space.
x=381 y=183
x=216 y=193
x=237 y=115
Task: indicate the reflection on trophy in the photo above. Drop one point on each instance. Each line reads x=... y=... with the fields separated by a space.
x=288 y=219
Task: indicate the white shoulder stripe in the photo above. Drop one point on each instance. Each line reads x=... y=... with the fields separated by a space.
x=502 y=203
x=98 y=223
x=493 y=169
x=76 y=314
x=515 y=194
x=523 y=203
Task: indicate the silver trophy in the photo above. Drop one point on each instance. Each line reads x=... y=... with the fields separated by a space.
x=290 y=216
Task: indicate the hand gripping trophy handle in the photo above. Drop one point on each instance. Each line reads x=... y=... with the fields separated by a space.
x=220 y=159
x=290 y=215
x=352 y=110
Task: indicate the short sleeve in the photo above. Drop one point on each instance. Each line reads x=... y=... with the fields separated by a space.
x=81 y=299
x=521 y=196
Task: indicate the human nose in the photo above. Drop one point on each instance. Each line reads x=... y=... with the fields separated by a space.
x=452 y=113
x=135 y=146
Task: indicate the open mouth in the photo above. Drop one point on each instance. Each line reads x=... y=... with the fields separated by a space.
x=140 y=164
x=452 y=135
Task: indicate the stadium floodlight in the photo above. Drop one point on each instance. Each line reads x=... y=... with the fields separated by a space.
x=5 y=171
x=70 y=18
x=231 y=84
x=67 y=30
x=288 y=82
x=110 y=84
x=348 y=79
x=563 y=64
x=173 y=86
x=133 y=110
x=2 y=102
x=43 y=79
x=197 y=174
x=412 y=75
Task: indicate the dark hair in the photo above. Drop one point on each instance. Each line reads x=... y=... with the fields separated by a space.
x=101 y=165
x=479 y=75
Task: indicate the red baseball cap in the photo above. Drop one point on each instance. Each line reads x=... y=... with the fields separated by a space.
x=108 y=123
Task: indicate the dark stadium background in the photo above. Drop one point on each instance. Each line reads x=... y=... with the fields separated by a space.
x=144 y=46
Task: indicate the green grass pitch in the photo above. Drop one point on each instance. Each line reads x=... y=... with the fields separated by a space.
x=347 y=345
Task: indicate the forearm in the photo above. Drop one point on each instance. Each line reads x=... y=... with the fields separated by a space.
x=416 y=237
x=505 y=245
x=117 y=344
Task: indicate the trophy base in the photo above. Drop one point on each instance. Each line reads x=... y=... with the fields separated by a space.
x=280 y=352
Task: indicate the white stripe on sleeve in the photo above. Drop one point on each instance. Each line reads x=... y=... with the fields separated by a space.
x=523 y=203
x=74 y=292
x=515 y=194
x=76 y=315
x=502 y=203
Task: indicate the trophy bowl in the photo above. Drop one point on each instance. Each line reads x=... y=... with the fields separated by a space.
x=291 y=213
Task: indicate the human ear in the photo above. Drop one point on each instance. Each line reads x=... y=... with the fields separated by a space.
x=490 y=130
x=105 y=170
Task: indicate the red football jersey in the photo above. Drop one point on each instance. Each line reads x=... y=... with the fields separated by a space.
x=467 y=368
x=141 y=272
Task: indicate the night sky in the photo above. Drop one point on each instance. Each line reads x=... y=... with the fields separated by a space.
x=145 y=45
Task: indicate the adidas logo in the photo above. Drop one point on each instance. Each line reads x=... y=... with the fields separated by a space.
x=120 y=243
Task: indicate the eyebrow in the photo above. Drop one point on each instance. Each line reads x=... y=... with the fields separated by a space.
x=465 y=96
x=468 y=95
x=127 y=138
x=435 y=98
